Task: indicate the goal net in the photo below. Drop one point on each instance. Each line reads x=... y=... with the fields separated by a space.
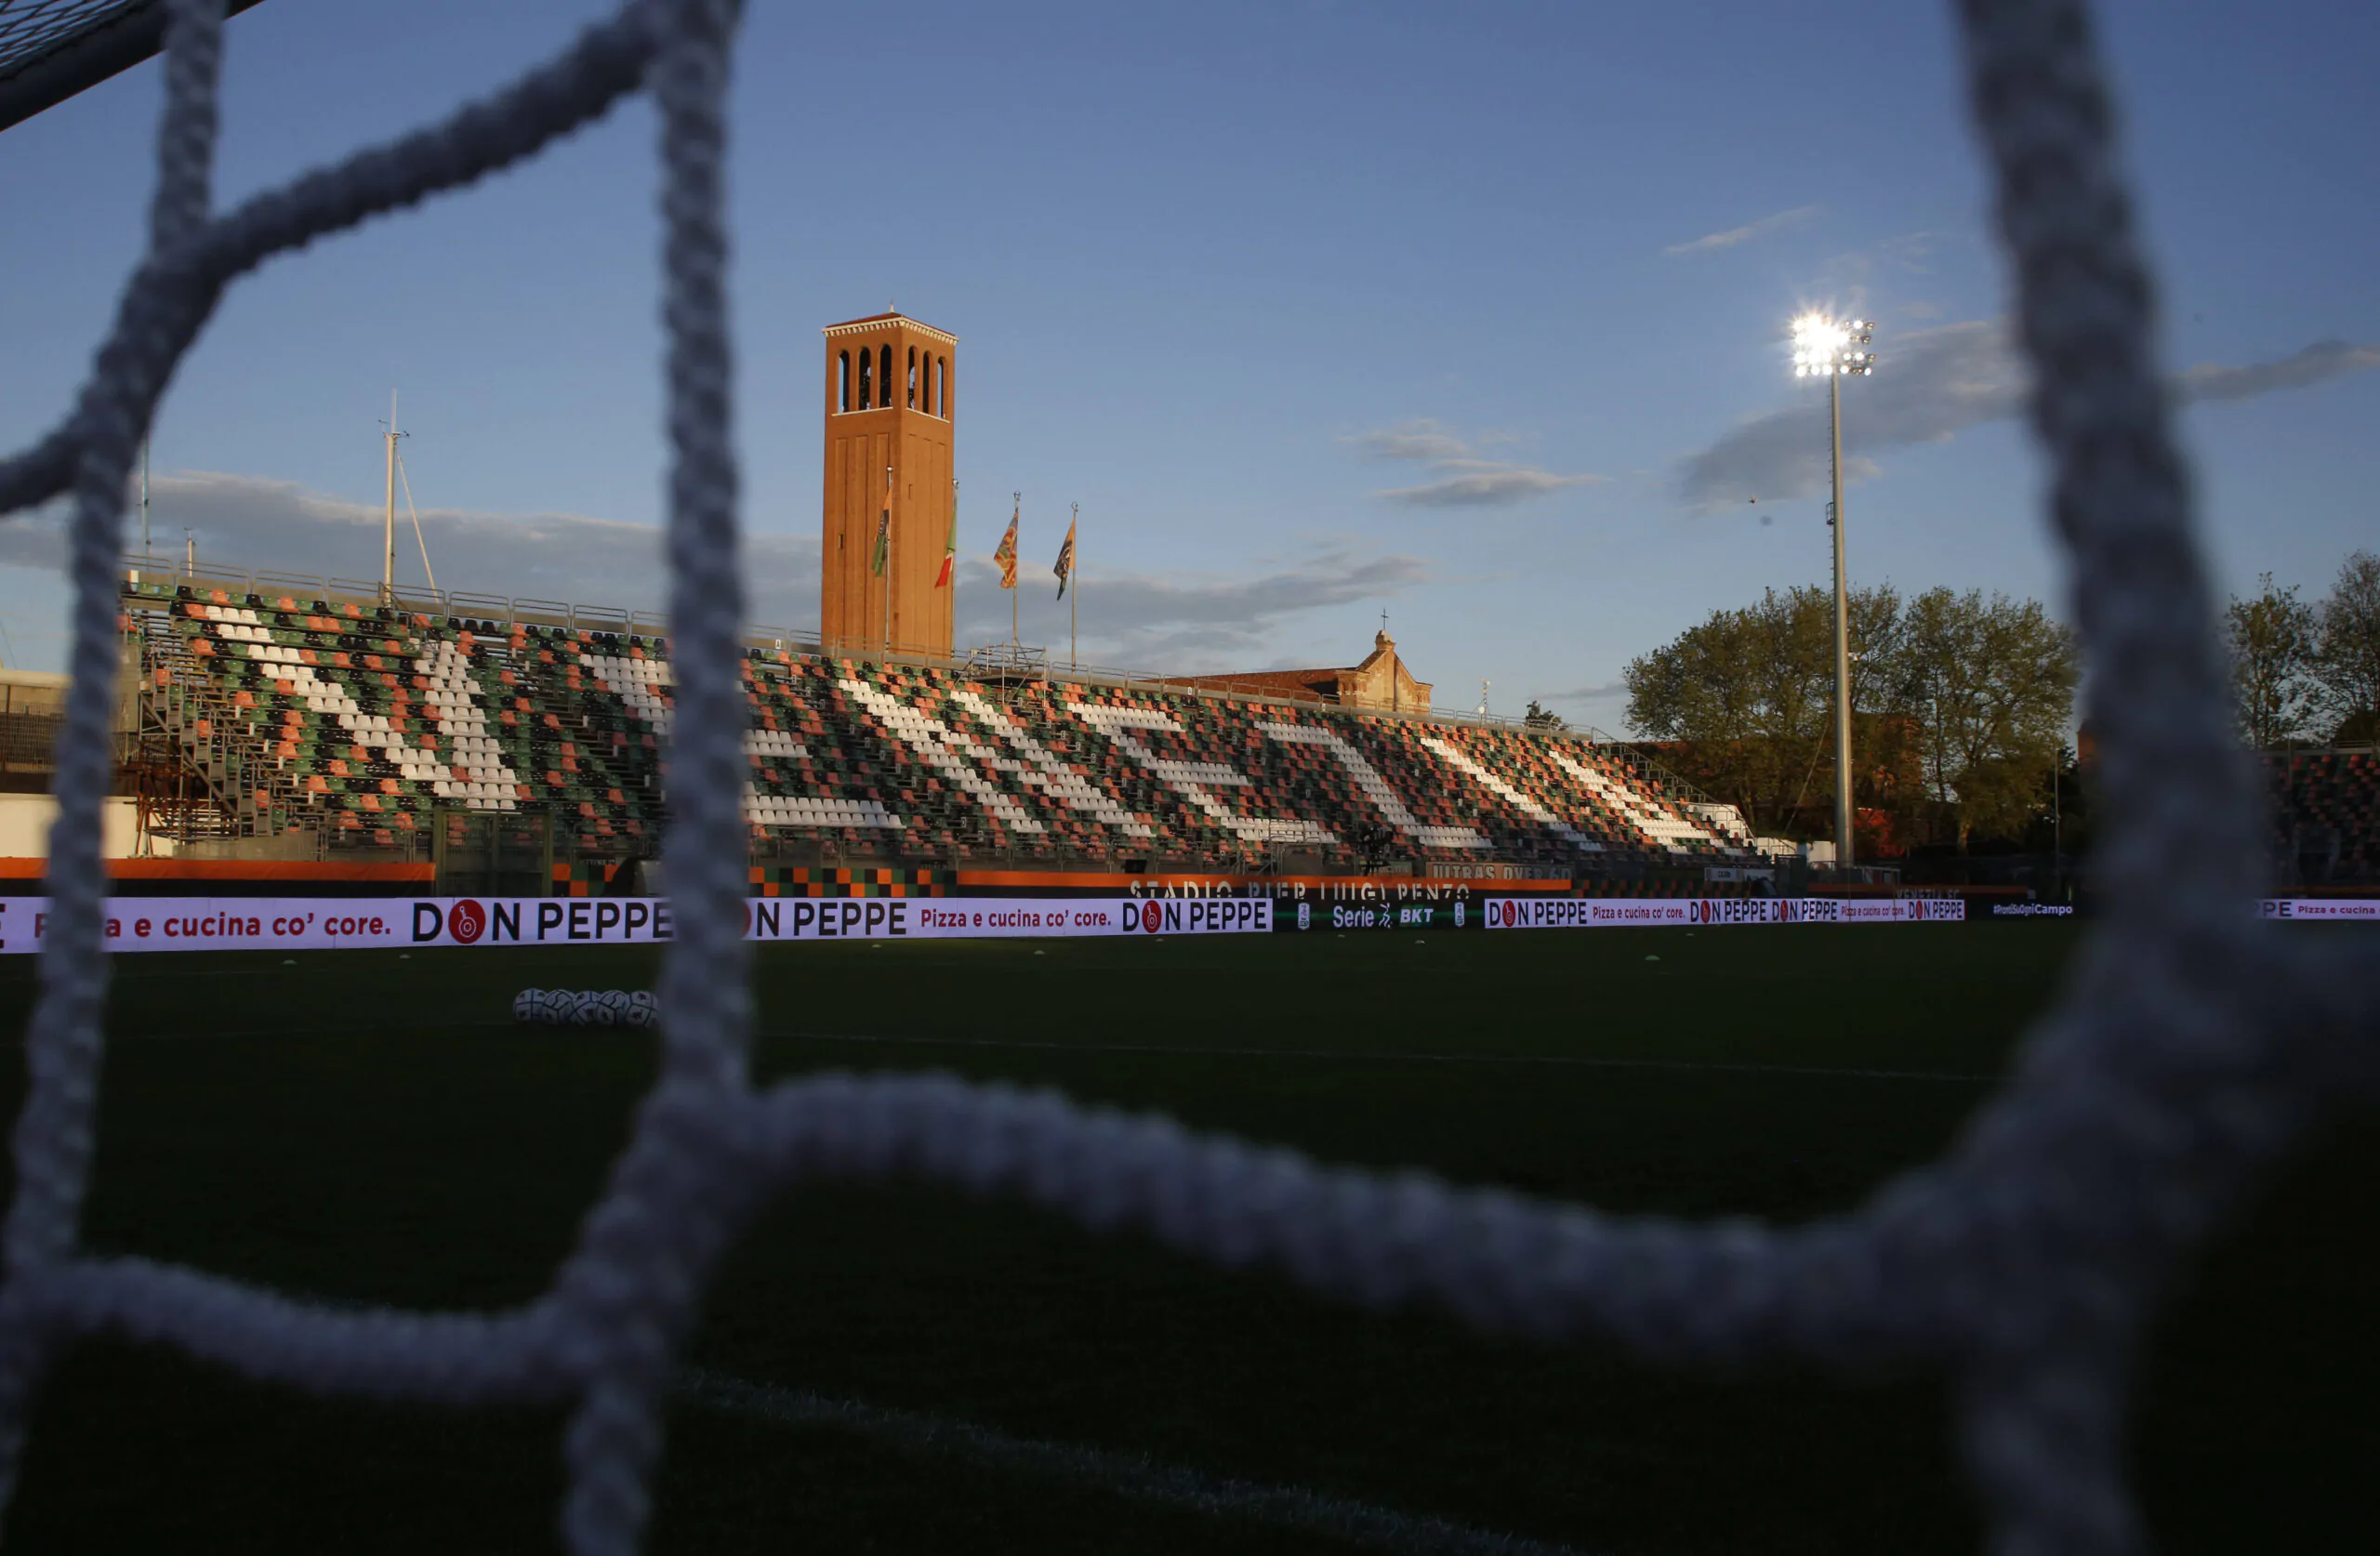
x=2191 y=1047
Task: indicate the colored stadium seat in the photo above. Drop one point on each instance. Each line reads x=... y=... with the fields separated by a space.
x=337 y=713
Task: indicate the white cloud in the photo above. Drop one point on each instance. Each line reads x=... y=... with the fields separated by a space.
x=1464 y=480
x=1141 y=620
x=1600 y=692
x=251 y=522
x=1712 y=241
x=1422 y=439
x=1480 y=483
x=1929 y=386
x=2322 y=360
x=1181 y=624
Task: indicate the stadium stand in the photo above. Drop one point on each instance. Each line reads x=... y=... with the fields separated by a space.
x=307 y=712
x=2325 y=814
x=317 y=711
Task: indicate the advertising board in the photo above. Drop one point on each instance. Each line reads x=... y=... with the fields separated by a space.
x=1590 y=912
x=1344 y=916
x=2354 y=909
x=139 y=924
x=136 y=924
x=1599 y=913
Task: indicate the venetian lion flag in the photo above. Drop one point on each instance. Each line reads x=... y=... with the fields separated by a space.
x=949 y=550
x=883 y=530
x=1006 y=555
x=1066 y=562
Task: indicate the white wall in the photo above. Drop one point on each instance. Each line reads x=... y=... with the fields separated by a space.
x=25 y=820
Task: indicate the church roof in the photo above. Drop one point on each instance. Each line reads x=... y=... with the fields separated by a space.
x=1310 y=683
x=1321 y=683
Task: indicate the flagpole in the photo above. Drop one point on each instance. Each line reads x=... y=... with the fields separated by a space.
x=1074 y=576
x=888 y=562
x=1013 y=642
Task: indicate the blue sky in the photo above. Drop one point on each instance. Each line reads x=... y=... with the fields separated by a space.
x=1470 y=313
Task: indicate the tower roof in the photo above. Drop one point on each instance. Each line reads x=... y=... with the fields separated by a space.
x=877 y=320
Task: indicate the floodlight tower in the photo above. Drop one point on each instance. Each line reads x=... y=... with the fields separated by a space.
x=1829 y=349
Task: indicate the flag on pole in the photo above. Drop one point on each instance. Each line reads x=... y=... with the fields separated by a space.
x=1006 y=555
x=949 y=550
x=1066 y=562
x=883 y=530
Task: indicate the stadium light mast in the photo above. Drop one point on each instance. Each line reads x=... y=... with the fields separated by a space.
x=389 y=514
x=1829 y=349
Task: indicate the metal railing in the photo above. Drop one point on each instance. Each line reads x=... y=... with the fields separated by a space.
x=29 y=741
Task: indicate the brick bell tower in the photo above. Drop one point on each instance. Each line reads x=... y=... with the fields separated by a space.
x=888 y=410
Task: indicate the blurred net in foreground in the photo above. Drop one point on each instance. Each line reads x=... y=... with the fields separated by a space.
x=2193 y=1044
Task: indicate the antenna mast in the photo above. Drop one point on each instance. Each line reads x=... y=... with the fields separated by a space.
x=144 y=505
x=388 y=513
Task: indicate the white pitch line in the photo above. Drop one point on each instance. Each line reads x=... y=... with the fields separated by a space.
x=1129 y=1475
x=1386 y=1056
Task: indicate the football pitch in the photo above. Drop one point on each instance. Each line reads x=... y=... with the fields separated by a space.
x=905 y=1369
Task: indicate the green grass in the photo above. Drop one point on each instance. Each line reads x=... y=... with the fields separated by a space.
x=371 y=1126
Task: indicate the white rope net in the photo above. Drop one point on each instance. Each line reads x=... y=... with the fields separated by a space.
x=2190 y=1048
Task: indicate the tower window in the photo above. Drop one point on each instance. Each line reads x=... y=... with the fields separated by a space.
x=842 y=380
x=884 y=377
x=912 y=379
x=941 y=387
x=866 y=379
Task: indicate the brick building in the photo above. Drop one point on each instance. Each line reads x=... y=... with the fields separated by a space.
x=888 y=431
x=1381 y=682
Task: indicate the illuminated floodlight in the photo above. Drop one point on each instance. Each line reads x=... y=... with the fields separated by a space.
x=1816 y=338
x=1831 y=348
x=1826 y=347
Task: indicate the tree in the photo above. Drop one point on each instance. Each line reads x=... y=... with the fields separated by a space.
x=2348 y=651
x=1752 y=692
x=1990 y=687
x=2273 y=642
x=1539 y=718
x=1733 y=689
x=1961 y=704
